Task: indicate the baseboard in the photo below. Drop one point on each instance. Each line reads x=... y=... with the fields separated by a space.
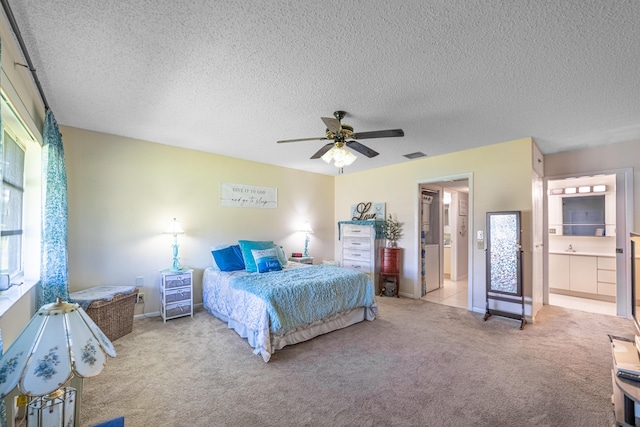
x=157 y=313
x=145 y=315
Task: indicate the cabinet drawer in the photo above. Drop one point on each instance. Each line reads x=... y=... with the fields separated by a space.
x=354 y=243
x=607 y=289
x=178 y=309
x=177 y=281
x=606 y=276
x=355 y=254
x=605 y=263
x=350 y=230
x=179 y=294
x=365 y=267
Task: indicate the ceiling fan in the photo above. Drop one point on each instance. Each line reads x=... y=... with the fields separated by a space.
x=341 y=132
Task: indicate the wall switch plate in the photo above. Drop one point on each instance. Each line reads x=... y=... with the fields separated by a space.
x=480 y=235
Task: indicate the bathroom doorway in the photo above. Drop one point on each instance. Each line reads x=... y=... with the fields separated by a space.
x=587 y=219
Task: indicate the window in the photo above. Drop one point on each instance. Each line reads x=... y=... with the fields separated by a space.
x=12 y=203
x=21 y=203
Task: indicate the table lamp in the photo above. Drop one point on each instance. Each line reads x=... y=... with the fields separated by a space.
x=175 y=229
x=59 y=341
x=306 y=228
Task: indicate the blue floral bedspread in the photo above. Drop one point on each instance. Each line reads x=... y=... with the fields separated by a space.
x=297 y=297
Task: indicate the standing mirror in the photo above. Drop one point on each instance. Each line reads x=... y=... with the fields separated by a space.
x=504 y=265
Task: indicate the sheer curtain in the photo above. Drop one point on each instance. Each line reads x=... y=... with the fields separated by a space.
x=3 y=409
x=53 y=262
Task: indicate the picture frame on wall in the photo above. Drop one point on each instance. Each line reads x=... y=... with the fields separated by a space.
x=462 y=207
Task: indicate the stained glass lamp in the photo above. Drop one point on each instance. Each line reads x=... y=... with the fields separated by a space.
x=59 y=341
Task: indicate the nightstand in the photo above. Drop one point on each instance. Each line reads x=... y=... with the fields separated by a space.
x=390 y=268
x=176 y=293
x=302 y=259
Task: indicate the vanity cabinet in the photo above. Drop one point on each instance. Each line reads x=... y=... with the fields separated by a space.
x=607 y=276
x=559 y=271
x=585 y=274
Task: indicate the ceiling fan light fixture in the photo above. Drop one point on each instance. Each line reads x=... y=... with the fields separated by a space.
x=328 y=156
x=343 y=157
x=340 y=156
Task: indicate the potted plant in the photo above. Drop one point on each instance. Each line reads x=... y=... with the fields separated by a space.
x=392 y=230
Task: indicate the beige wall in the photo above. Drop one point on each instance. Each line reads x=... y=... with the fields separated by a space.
x=501 y=181
x=123 y=193
x=602 y=158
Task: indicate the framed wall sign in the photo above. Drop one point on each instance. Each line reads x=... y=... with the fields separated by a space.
x=248 y=196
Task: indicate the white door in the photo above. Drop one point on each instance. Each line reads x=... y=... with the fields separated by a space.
x=431 y=240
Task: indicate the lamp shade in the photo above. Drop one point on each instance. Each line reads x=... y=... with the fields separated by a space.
x=306 y=227
x=59 y=340
x=174 y=228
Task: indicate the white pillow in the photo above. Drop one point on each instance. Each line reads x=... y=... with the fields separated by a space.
x=266 y=260
x=281 y=256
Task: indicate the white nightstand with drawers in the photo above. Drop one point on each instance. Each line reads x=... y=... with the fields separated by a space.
x=176 y=294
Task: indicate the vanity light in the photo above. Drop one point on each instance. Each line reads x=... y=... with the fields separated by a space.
x=599 y=188
x=570 y=190
x=555 y=191
x=584 y=189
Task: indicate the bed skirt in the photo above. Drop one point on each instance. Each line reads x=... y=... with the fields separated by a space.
x=320 y=327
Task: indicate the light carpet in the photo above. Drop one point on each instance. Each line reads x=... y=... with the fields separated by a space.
x=418 y=364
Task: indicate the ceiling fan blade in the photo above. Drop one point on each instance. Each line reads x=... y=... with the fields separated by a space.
x=301 y=139
x=379 y=134
x=332 y=124
x=323 y=150
x=362 y=149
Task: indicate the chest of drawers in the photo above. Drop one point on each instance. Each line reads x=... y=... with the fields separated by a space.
x=359 y=248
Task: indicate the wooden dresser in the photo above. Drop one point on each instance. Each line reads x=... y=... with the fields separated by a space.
x=390 y=267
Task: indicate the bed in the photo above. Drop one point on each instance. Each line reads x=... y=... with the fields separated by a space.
x=279 y=308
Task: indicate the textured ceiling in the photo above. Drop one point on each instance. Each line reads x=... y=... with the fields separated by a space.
x=233 y=77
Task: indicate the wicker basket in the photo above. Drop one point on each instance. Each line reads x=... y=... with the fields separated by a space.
x=115 y=317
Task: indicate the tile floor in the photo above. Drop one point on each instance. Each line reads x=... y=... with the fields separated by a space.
x=455 y=294
x=451 y=293
x=583 y=304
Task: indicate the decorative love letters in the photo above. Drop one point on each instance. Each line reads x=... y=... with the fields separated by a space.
x=365 y=211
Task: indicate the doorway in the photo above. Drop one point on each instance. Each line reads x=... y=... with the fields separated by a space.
x=588 y=221
x=443 y=213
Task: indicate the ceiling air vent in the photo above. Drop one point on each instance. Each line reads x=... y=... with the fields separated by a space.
x=415 y=155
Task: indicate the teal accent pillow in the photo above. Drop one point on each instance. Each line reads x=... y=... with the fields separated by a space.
x=266 y=260
x=229 y=258
x=246 y=246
